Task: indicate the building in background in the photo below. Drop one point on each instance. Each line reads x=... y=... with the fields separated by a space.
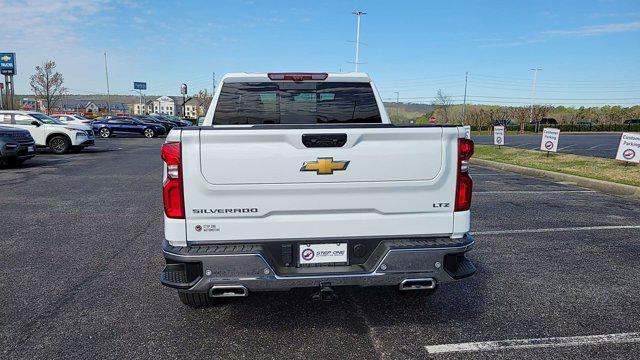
x=85 y=107
x=167 y=105
x=192 y=111
x=164 y=105
x=28 y=104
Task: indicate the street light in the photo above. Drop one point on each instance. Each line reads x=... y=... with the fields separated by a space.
x=533 y=95
x=397 y=104
x=358 y=14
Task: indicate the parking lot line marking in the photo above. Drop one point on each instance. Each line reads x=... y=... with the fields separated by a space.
x=566 y=147
x=619 y=338
x=488 y=174
x=594 y=147
x=532 y=191
x=578 y=228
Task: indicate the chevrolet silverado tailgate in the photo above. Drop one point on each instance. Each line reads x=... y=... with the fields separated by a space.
x=288 y=182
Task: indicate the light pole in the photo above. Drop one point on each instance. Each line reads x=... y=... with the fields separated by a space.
x=533 y=95
x=464 y=102
x=106 y=71
x=358 y=14
x=397 y=105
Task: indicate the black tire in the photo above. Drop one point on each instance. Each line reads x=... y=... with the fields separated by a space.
x=104 y=132
x=195 y=300
x=149 y=133
x=59 y=144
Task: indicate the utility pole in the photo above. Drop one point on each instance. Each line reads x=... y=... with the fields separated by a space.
x=106 y=71
x=358 y=14
x=213 y=81
x=464 y=102
x=533 y=95
x=397 y=105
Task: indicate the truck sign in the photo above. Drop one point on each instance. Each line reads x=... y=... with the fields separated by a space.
x=8 y=64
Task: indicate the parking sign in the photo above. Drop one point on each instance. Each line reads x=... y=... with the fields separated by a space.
x=467 y=131
x=629 y=148
x=498 y=135
x=550 y=137
x=8 y=64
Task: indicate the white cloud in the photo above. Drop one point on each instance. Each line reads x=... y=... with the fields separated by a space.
x=39 y=30
x=543 y=36
x=497 y=43
x=595 y=30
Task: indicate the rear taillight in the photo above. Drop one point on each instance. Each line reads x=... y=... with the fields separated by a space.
x=298 y=76
x=172 y=191
x=464 y=184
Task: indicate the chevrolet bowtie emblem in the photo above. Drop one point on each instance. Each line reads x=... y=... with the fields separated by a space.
x=324 y=166
x=5 y=58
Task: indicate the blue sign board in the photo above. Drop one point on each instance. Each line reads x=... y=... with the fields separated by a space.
x=140 y=85
x=8 y=63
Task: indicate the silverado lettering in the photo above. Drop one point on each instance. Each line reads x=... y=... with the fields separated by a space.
x=225 y=211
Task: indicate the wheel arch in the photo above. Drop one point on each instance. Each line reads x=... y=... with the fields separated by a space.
x=56 y=134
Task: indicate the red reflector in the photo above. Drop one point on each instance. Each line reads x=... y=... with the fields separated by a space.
x=463 y=192
x=172 y=192
x=173 y=199
x=298 y=76
x=170 y=153
x=465 y=149
x=464 y=183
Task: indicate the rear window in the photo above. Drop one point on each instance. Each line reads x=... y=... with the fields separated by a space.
x=296 y=103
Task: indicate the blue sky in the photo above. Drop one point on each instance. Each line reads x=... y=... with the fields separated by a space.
x=589 y=50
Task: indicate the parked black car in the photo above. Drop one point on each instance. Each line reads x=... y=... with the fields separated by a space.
x=127 y=125
x=632 y=121
x=16 y=146
x=176 y=120
x=168 y=125
x=545 y=121
x=505 y=122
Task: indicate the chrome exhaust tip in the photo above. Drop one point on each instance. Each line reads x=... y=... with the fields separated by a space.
x=218 y=291
x=418 y=284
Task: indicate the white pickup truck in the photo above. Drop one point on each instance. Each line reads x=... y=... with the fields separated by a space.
x=300 y=180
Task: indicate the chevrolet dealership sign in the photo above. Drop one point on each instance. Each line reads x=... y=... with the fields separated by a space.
x=8 y=63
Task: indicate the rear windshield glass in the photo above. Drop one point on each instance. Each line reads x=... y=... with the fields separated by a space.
x=296 y=103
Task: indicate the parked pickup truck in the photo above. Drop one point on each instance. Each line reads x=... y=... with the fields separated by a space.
x=300 y=180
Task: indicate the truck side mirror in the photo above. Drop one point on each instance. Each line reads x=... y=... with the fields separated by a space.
x=36 y=123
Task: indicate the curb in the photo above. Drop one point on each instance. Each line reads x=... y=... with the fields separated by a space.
x=599 y=185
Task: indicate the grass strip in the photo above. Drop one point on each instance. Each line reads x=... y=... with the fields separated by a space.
x=585 y=166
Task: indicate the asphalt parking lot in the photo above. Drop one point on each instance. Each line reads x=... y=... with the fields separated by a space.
x=81 y=239
x=595 y=144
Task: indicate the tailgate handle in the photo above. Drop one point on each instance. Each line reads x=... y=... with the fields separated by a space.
x=324 y=140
